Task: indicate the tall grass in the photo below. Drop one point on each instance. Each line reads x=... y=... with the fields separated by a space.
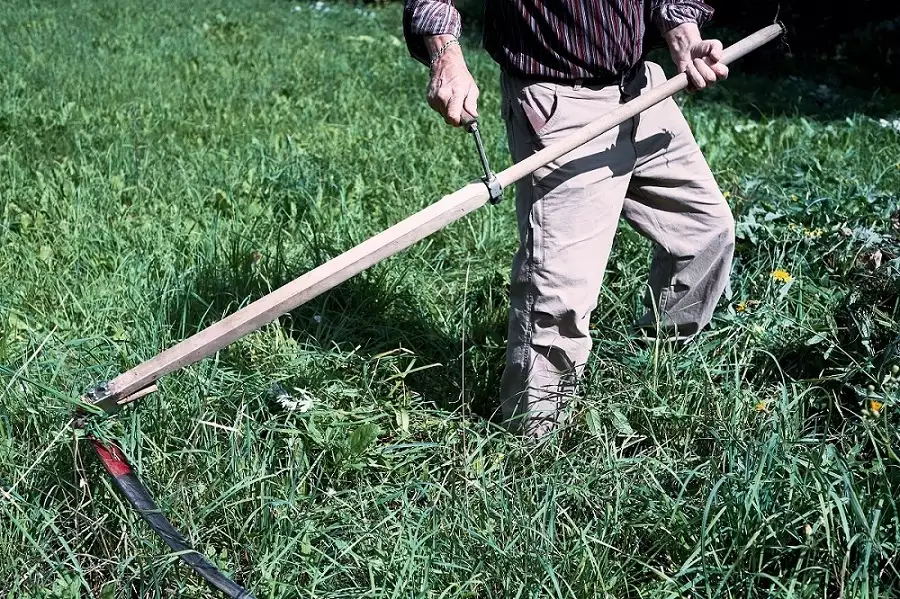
x=164 y=163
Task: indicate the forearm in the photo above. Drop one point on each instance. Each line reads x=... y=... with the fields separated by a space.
x=681 y=37
x=667 y=15
x=428 y=25
x=434 y=43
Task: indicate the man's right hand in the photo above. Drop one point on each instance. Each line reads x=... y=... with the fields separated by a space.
x=452 y=91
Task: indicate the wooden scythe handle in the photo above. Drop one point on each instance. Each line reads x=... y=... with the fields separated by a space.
x=393 y=240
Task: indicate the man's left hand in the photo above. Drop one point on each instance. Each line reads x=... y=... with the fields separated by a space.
x=697 y=57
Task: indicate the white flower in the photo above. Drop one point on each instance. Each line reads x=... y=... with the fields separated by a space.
x=297 y=8
x=317 y=318
x=291 y=405
x=895 y=124
x=302 y=404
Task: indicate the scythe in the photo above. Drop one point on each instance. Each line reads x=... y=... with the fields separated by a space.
x=130 y=386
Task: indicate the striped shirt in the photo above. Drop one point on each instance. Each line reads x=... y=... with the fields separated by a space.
x=555 y=39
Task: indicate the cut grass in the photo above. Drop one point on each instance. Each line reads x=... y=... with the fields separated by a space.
x=163 y=164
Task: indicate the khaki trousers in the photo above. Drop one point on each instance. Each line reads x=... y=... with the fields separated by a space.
x=648 y=170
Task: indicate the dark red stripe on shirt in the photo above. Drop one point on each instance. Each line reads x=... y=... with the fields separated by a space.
x=555 y=39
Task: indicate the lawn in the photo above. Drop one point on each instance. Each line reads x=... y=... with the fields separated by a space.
x=165 y=163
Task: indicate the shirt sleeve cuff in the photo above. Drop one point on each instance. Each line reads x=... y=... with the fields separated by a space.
x=669 y=15
x=425 y=18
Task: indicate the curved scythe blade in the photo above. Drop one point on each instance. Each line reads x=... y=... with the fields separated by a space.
x=128 y=483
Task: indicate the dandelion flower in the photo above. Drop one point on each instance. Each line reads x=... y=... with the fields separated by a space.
x=740 y=307
x=762 y=406
x=875 y=406
x=782 y=276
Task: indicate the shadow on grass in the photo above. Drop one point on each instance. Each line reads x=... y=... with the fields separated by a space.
x=371 y=313
x=868 y=349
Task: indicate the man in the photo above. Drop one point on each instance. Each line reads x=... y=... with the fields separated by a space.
x=565 y=63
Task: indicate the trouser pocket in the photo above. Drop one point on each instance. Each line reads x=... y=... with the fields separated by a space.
x=540 y=106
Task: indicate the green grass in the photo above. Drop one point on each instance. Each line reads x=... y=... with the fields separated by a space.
x=164 y=163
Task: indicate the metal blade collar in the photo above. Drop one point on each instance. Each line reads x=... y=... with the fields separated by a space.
x=100 y=395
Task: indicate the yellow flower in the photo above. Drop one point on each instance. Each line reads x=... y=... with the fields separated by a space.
x=813 y=232
x=793 y=198
x=782 y=276
x=726 y=195
x=746 y=306
x=762 y=407
x=875 y=406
